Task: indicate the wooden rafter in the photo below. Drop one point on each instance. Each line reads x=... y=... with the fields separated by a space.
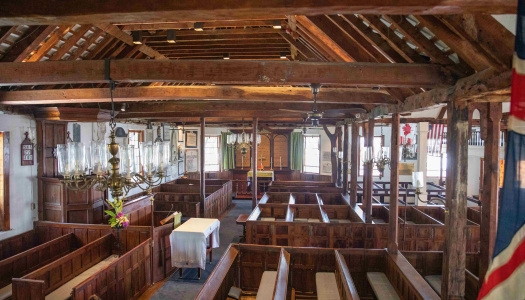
x=226 y=72
x=32 y=12
x=31 y=40
x=229 y=93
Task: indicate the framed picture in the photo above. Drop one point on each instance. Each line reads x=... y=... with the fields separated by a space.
x=166 y=132
x=406 y=169
x=192 y=160
x=191 y=139
x=327 y=156
x=180 y=135
x=181 y=167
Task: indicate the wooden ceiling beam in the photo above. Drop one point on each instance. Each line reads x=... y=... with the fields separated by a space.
x=478 y=85
x=172 y=53
x=315 y=46
x=228 y=93
x=189 y=25
x=487 y=35
x=153 y=41
x=322 y=39
x=226 y=72
x=73 y=39
x=87 y=43
x=217 y=114
x=238 y=46
x=214 y=32
x=428 y=46
x=190 y=44
x=30 y=41
x=309 y=54
x=49 y=43
x=121 y=35
x=463 y=48
x=32 y=12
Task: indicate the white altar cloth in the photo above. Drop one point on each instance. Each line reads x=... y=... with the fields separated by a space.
x=188 y=242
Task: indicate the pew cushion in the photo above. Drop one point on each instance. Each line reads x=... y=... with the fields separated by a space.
x=6 y=292
x=300 y=220
x=267 y=219
x=267 y=285
x=378 y=221
x=64 y=292
x=340 y=221
x=326 y=286
x=381 y=286
x=235 y=292
x=313 y=220
x=435 y=282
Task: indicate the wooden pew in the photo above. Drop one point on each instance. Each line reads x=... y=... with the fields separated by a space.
x=47 y=279
x=223 y=277
x=125 y=278
x=25 y=262
x=344 y=281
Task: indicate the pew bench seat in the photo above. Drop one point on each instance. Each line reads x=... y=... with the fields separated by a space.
x=381 y=286
x=265 y=291
x=435 y=282
x=6 y=292
x=340 y=221
x=326 y=286
x=64 y=292
x=378 y=221
x=267 y=219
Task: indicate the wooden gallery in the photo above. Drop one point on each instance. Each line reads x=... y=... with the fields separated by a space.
x=252 y=149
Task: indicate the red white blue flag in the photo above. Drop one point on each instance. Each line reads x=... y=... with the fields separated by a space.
x=505 y=278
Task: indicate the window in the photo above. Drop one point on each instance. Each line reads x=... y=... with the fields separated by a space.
x=312 y=154
x=212 y=154
x=134 y=138
x=4 y=182
x=376 y=148
x=433 y=163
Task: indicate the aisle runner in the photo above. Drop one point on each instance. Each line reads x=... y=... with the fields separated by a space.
x=188 y=287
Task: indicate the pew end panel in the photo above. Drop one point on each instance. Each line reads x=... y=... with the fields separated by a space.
x=224 y=276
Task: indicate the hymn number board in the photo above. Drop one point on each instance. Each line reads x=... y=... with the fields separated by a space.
x=28 y=158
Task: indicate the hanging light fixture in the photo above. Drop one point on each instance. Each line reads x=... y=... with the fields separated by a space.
x=382 y=159
x=226 y=56
x=171 y=36
x=242 y=141
x=137 y=37
x=84 y=168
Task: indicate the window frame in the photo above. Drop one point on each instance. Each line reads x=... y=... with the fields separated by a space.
x=219 y=160
x=304 y=153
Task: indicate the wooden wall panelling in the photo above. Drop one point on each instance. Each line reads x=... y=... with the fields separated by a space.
x=126 y=278
x=52 y=196
x=226 y=273
x=18 y=243
x=280 y=151
x=240 y=162
x=264 y=151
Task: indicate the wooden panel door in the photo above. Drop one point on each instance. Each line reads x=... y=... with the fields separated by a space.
x=53 y=195
x=53 y=133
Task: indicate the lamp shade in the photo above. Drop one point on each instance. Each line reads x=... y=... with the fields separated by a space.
x=77 y=158
x=164 y=156
x=368 y=155
x=63 y=160
x=418 y=180
x=127 y=160
x=149 y=154
x=99 y=157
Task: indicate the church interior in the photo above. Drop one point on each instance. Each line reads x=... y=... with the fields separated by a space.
x=252 y=150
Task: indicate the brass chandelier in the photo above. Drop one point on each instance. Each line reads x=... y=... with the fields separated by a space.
x=242 y=141
x=86 y=167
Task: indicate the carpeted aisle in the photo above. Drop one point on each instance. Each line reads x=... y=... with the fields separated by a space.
x=188 y=287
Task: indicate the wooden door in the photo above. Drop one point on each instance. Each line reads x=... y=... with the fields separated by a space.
x=53 y=133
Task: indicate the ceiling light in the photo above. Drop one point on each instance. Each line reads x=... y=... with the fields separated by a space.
x=198 y=26
x=283 y=55
x=171 y=36
x=276 y=24
x=226 y=56
x=123 y=107
x=137 y=37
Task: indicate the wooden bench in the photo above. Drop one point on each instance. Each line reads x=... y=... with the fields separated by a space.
x=326 y=286
x=383 y=289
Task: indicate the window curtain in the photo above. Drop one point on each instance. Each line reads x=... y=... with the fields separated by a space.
x=227 y=153
x=296 y=150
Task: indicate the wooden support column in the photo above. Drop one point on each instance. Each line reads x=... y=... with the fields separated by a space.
x=354 y=164
x=489 y=198
x=369 y=142
x=345 y=159
x=333 y=144
x=202 y=159
x=255 y=187
x=453 y=284
x=338 y=160
x=394 y=185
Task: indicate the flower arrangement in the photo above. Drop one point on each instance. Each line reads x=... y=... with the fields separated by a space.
x=117 y=219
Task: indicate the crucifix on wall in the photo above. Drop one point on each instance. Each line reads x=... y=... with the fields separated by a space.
x=261 y=166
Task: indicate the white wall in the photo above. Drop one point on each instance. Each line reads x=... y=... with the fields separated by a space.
x=23 y=184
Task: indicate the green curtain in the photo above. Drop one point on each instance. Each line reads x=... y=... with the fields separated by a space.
x=296 y=151
x=227 y=153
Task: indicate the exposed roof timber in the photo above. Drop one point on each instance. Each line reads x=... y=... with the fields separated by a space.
x=31 y=12
x=269 y=114
x=484 y=84
x=233 y=120
x=229 y=93
x=31 y=40
x=189 y=25
x=226 y=72
x=300 y=46
x=121 y=35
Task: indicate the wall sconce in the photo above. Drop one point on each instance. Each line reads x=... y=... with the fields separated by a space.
x=123 y=107
x=418 y=182
x=171 y=36
x=137 y=37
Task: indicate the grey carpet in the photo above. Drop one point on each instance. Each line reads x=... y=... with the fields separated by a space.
x=189 y=286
